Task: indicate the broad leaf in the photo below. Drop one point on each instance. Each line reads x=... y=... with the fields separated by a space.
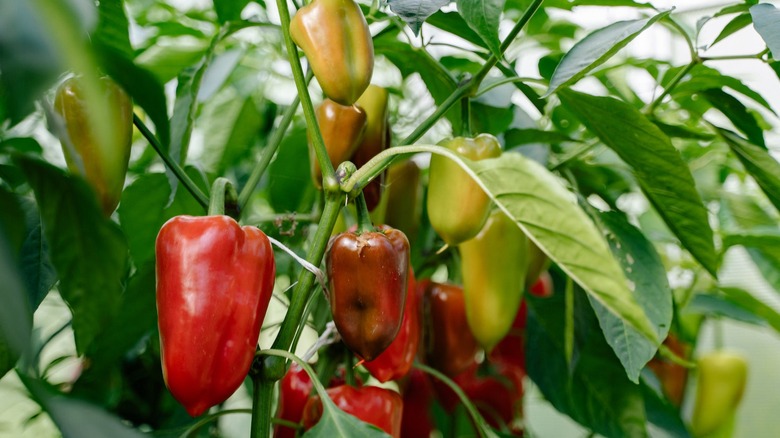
x=37 y=271
x=483 y=17
x=414 y=12
x=736 y=24
x=647 y=276
x=88 y=250
x=290 y=184
x=659 y=169
x=752 y=305
x=518 y=137
x=737 y=113
x=15 y=313
x=704 y=78
x=112 y=30
x=229 y=10
x=595 y=49
x=662 y=414
x=766 y=20
x=335 y=422
x=720 y=305
x=453 y=23
x=593 y=389
x=548 y=215
x=759 y=163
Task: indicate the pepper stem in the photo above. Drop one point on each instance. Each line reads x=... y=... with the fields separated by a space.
x=223 y=198
x=364 y=219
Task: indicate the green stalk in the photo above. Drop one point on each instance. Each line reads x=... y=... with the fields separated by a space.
x=364 y=219
x=171 y=164
x=262 y=403
x=308 y=109
x=676 y=80
x=222 y=194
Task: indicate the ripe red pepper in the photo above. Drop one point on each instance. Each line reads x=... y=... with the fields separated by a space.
x=214 y=282
x=449 y=345
x=368 y=275
x=378 y=406
x=418 y=397
x=294 y=391
x=396 y=361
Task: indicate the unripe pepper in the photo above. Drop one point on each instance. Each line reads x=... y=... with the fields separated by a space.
x=722 y=381
x=457 y=205
x=294 y=391
x=375 y=139
x=403 y=197
x=538 y=262
x=335 y=37
x=378 y=406
x=396 y=361
x=100 y=153
x=493 y=265
x=342 y=129
x=214 y=282
x=450 y=346
x=368 y=274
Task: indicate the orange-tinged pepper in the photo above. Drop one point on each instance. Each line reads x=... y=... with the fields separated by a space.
x=342 y=129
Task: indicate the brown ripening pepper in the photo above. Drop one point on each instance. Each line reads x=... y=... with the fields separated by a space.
x=342 y=129
x=375 y=139
x=334 y=36
x=368 y=274
x=450 y=347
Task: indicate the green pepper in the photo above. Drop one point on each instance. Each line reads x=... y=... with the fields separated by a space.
x=457 y=205
x=335 y=37
x=722 y=381
x=403 y=193
x=99 y=153
x=493 y=265
x=375 y=139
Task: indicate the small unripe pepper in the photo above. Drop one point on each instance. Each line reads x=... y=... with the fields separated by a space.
x=375 y=139
x=100 y=153
x=457 y=205
x=403 y=198
x=342 y=129
x=722 y=381
x=335 y=37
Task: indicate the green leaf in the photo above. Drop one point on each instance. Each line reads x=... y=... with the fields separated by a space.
x=705 y=78
x=595 y=49
x=88 y=250
x=646 y=273
x=229 y=10
x=546 y=213
x=12 y=224
x=21 y=144
x=289 y=180
x=518 y=137
x=337 y=423
x=720 y=305
x=663 y=176
x=593 y=390
x=483 y=17
x=112 y=30
x=453 y=23
x=759 y=163
x=37 y=271
x=736 y=112
x=766 y=20
x=414 y=12
x=754 y=306
x=737 y=23
x=412 y=60
x=682 y=131
x=77 y=418
x=15 y=312
x=662 y=414
x=143 y=212
x=170 y=56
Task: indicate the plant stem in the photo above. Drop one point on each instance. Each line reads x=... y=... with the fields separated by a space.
x=505 y=81
x=363 y=218
x=222 y=193
x=471 y=86
x=676 y=80
x=465 y=115
x=195 y=428
x=315 y=135
x=273 y=368
x=730 y=57
x=574 y=155
x=684 y=34
x=182 y=176
x=374 y=166
x=262 y=401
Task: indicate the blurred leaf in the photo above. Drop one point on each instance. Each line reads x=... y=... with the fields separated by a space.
x=735 y=111
x=594 y=389
x=289 y=180
x=453 y=23
x=753 y=305
x=682 y=131
x=37 y=271
x=483 y=17
x=766 y=20
x=143 y=212
x=663 y=176
x=595 y=49
x=662 y=414
x=21 y=144
x=112 y=30
x=646 y=273
x=759 y=163
x=490 y=119
x=15 y=313
x=414 y=12
x=719 y=305
x=705 y=78
x=229 y=10
x=736 y=24
x=517 y=137
x=170 y=56
x=88 y=250
x=12 y=224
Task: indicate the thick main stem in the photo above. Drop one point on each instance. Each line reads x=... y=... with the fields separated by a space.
x=262 y=404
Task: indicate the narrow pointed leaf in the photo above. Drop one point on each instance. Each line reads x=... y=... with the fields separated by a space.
x=759 y=163
x=483 y=17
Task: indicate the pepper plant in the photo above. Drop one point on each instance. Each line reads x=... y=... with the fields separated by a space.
x=617 y=203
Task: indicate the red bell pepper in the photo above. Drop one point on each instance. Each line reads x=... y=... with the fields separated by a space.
x=418 y=396
x=378 y=406
x=294 y=391
x=396 y=361
x=214 y=282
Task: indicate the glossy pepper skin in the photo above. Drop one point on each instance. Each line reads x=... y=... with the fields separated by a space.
x=722 y=381
x=368 y=274
x=396 y=361
x=417 y=420
x=493 y=265
x=342 y=129
x=375 y=139
x=214 y=282
x=335 y=37
x=450 y=346
x=378 y=406
x=403 y=197
x=294 y=391
x=457 y=206
x=100 y=153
